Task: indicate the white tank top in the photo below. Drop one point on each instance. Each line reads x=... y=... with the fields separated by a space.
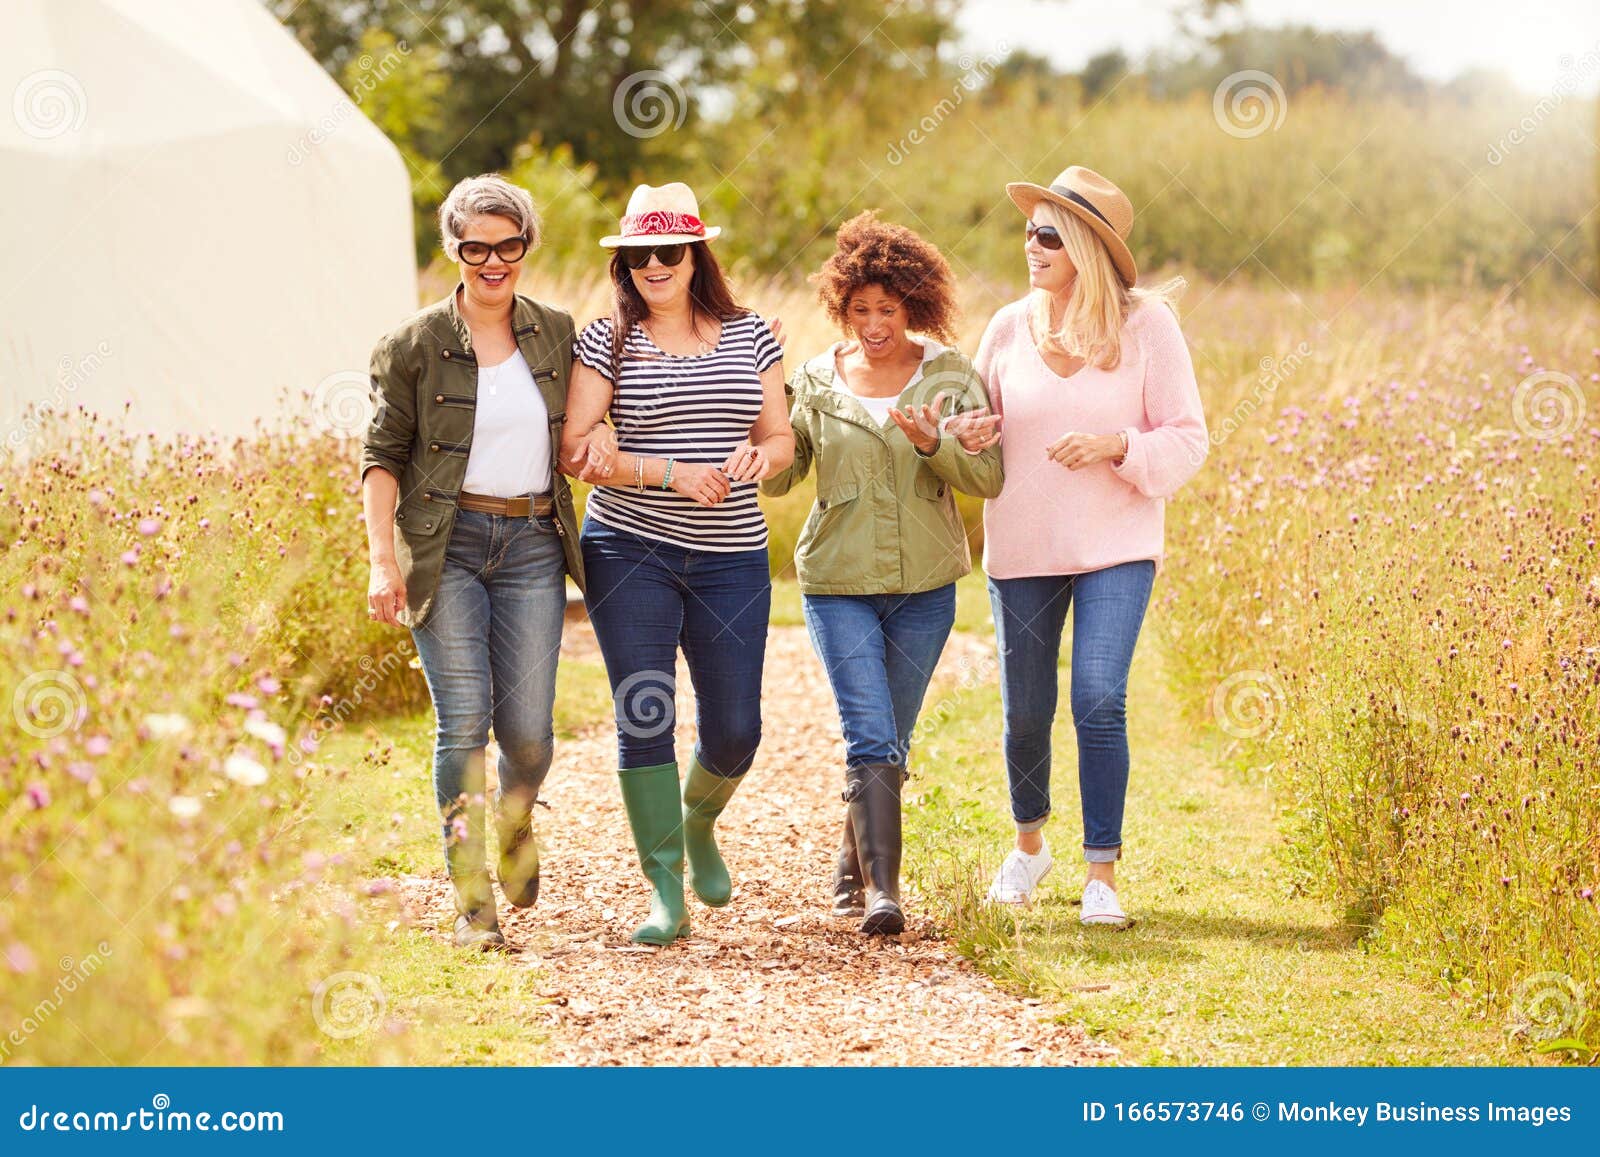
x=510 y=433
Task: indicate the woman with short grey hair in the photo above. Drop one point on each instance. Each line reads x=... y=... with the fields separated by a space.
x=471 y=531
x=487 y=196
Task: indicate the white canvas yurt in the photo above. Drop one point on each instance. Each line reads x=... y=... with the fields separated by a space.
x=194 y=217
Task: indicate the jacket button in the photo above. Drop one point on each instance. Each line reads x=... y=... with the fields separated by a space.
x=438 y=397
x=446 y=355
x=433 y=446
x=427 y=526
x=535 y=327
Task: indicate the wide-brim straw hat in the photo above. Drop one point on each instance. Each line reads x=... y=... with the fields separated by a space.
x=661 y=215
x=1096 y=201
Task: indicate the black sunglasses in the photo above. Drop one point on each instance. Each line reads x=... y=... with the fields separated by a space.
x=512 y=249
x=638 y=256
x=1047 y=235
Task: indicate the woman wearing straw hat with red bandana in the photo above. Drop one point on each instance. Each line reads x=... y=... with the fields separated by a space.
x=1102 y=423
x=674 y=544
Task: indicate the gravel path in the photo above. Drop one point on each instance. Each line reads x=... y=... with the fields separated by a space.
x=770 y=979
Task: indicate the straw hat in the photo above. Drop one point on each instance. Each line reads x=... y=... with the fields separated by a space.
x=661 y=215
x=1100 y=204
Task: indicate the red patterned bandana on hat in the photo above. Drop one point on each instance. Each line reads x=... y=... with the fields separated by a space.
x=658 y=222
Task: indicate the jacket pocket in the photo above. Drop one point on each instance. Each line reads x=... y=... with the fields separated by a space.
x=930 y=485
x=836 y=494
x=833 y=540
x=419 y=517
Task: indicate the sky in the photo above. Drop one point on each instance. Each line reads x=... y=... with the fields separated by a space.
x=1536 y=43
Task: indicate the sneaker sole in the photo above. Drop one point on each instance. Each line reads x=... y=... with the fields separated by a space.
x=1104 y=918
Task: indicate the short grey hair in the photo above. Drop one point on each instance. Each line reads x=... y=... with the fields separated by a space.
x=488 y=194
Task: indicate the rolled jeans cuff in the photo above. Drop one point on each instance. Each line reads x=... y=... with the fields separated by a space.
x=1033 y=825
x=1102 y=855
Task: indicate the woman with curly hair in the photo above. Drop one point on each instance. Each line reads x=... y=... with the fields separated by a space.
x=894 y=425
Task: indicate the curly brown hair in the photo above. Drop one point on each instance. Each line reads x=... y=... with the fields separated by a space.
x=874 y=252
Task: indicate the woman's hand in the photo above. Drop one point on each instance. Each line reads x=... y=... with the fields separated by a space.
x=748 y=463
x=707 y=485
x=595 y=455
x=386 y=592
x=976 y=430
x=920 y=424
x=776 y=326
x=1075 y=451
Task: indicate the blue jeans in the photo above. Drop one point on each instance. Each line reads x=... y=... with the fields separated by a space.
x=489 y=649
x=647 y=599
x=880 y=651
x=1029 y=614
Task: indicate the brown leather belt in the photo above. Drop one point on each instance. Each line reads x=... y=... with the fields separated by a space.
x=523 y=507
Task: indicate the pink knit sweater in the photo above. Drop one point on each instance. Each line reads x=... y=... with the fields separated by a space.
x=1050 y=520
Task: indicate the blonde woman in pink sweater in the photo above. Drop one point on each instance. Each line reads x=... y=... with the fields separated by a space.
x=1102 y=423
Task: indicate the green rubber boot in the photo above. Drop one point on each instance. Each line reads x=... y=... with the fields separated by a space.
x=655 y=814
x=704 y=797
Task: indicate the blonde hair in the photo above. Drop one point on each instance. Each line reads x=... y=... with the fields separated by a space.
x=1091 y=326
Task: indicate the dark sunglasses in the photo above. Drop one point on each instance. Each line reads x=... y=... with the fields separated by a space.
x=638 y=256
x=1047 y=235
x=512 y=249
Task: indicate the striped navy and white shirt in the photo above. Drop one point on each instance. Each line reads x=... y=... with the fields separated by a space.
x=695 y=408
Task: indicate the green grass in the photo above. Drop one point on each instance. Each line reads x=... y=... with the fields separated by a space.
x=1227 y=963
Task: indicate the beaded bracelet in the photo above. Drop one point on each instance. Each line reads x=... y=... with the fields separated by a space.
x=666 y=477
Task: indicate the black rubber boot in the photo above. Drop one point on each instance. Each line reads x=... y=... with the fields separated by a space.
x=848 y=898
x=873 y=792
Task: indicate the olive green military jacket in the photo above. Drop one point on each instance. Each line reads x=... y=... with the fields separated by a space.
x=425 y=378
x=885 y=518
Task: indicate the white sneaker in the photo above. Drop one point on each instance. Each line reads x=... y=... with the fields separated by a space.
x=1100 y=905
x=1019 y=875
